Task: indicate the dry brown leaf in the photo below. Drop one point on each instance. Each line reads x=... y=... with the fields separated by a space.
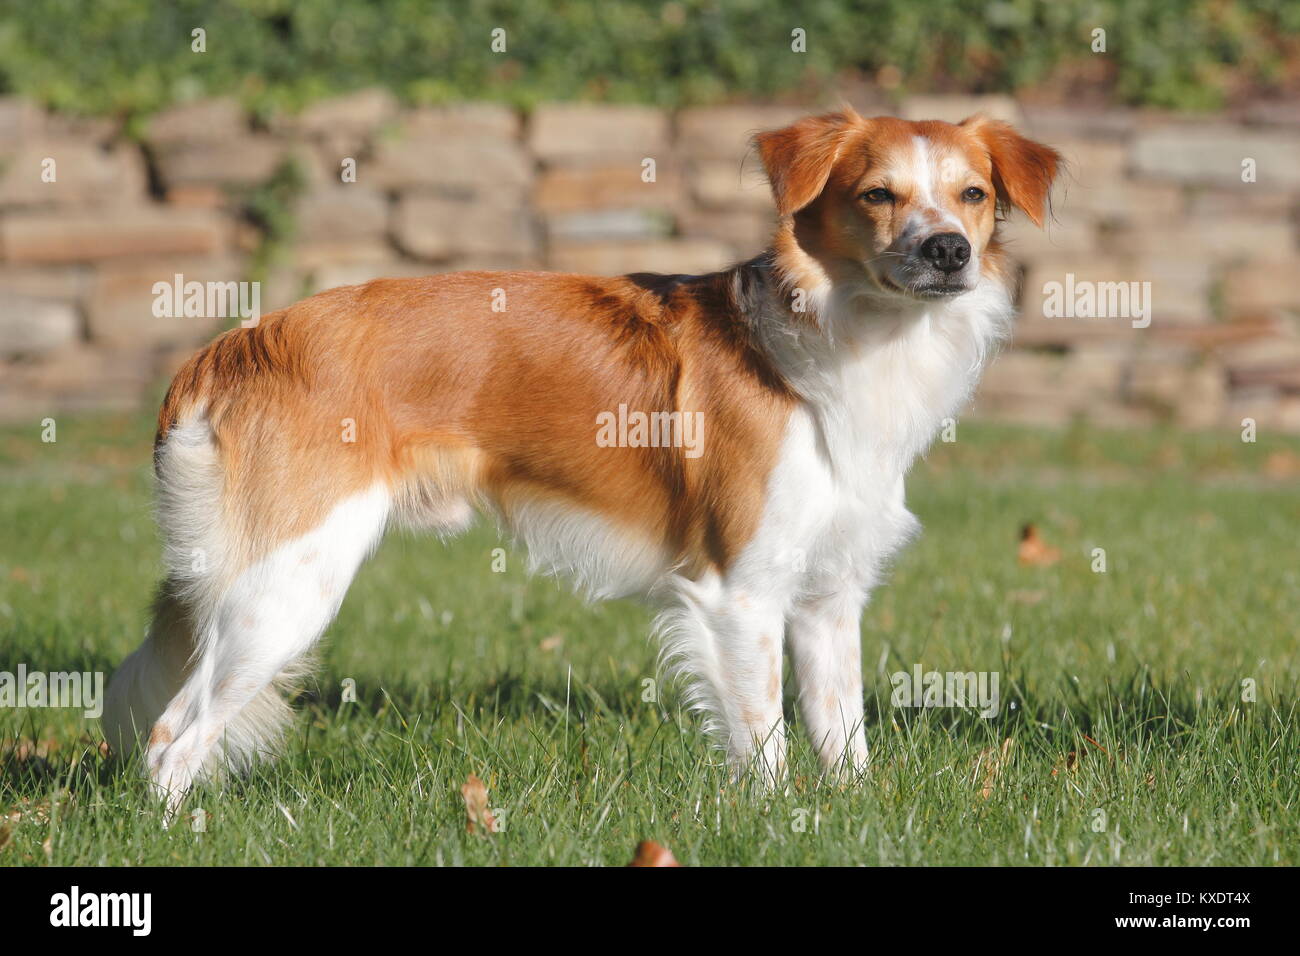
x=991 y=762
x=650 y=853
x=478 y=818
x=1069 y=762
x=1282 y=464
x=1034 y=551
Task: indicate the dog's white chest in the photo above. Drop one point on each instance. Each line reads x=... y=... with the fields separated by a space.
x=870 y=409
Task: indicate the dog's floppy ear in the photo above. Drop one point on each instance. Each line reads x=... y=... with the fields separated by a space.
x=799 y=158
x=1023 y=170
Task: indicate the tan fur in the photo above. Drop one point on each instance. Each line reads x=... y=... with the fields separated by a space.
x=820 y=167
x=452 y=400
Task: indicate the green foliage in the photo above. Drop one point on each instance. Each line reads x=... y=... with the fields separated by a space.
x=134 y=56
x=271 y=207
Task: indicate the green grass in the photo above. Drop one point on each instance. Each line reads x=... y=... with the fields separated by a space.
x=460 y=670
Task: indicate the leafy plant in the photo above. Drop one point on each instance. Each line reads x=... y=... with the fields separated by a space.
x=136 y=56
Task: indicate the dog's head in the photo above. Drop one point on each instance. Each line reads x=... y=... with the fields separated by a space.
x=908 y=207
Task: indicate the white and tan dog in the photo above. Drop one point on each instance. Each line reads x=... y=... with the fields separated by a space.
x=819 y=371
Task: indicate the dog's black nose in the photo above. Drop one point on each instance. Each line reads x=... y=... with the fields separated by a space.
x=947 y=251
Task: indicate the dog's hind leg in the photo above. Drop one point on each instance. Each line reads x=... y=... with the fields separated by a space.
x=242 y=603
x=151 y=676
x=263 y=623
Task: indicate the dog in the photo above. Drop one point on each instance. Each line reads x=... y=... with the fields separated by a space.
x=816 y=374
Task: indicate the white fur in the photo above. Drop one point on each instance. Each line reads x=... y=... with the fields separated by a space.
x=878 y=398
x=877 y=375
x=923 y=171
x=601 y=560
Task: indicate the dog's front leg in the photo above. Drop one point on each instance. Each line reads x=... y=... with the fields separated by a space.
x=726 y=641
x=749 y=644
x=826 y=652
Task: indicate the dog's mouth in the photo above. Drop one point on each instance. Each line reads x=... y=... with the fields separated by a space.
x=944 y=290
x=926 y=290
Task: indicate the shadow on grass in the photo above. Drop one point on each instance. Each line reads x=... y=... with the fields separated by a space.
x=1132 y=715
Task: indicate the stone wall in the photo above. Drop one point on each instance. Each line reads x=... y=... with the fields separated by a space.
x=1150 y=199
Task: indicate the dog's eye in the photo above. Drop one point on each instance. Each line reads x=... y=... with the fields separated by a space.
x=878 y=195
x=973 y=194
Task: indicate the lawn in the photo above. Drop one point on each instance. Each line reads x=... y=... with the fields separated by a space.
x=1122 y=692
